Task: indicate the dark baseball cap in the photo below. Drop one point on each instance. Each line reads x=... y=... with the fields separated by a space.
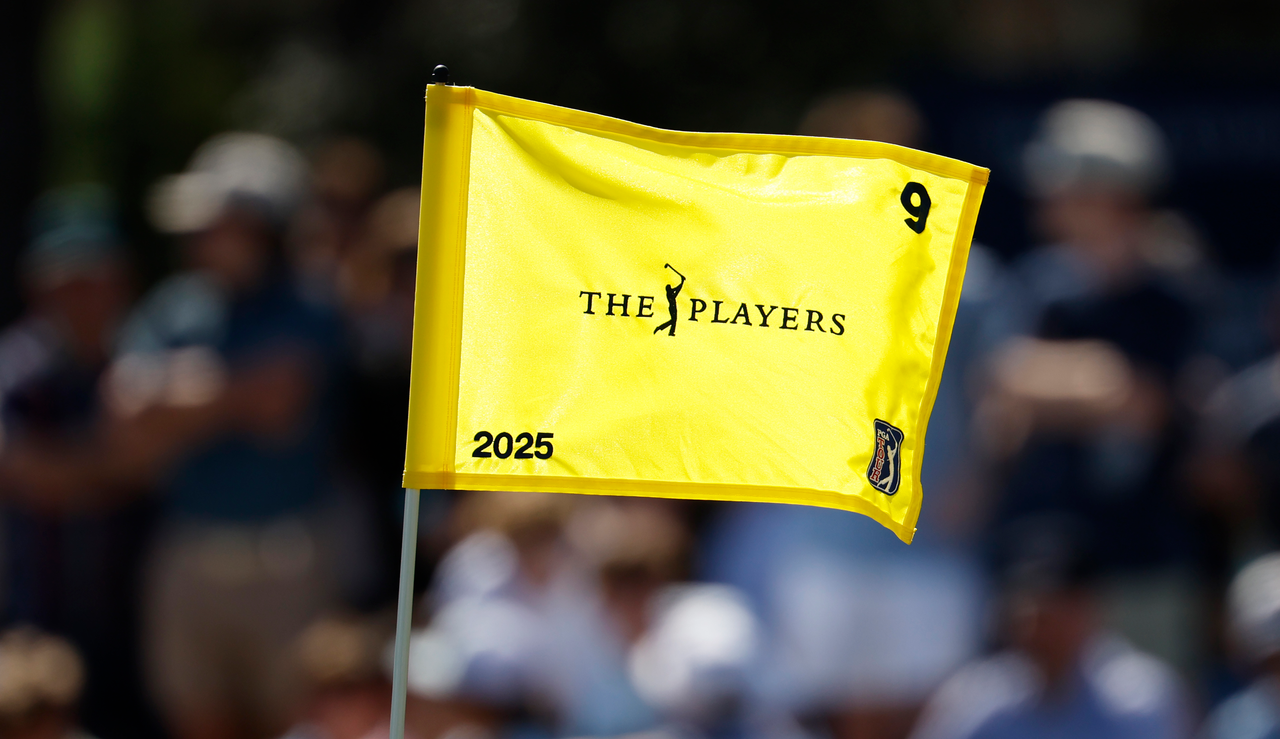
x=74 y=232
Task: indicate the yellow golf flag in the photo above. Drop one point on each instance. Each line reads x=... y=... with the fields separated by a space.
x=608 y=308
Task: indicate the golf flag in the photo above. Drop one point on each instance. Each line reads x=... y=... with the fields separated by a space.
x=604 y=307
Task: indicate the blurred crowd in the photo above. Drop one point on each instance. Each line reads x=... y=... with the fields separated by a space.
x=200 y=492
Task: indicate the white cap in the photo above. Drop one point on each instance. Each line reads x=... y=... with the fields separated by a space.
x=1253 y=604
x=698 y=656
x=250 y=169
x=1096 y=144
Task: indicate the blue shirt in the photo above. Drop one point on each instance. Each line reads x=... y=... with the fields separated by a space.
x=1116 y=692
x=1253 y=713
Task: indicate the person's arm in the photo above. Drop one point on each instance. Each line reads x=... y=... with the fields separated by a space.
x=265 y=399
x=1066 y=387
x=269 y=399
x=126 y=453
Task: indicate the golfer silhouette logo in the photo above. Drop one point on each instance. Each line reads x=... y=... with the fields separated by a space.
x=673 y=291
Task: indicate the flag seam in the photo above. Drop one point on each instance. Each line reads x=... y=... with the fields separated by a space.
x=950 y=302
x=647 y=488
x=746 y=142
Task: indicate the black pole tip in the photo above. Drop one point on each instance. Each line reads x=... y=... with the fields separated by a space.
x=440 y=75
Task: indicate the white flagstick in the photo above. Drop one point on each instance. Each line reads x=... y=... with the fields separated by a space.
x=404 y=614
x=408 y=557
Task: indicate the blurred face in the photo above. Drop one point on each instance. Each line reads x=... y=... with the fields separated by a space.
x=540 y=551
x=628 y=591
x=1052 y=628
x=87 y=309
x=235 y=250
x=1102 y=226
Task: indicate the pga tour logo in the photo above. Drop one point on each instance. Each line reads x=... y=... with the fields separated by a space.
x=884 y=471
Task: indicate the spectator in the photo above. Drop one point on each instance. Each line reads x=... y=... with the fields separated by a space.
x=482 y=661
x=575 y=623
x=40 y=681
x=226 y=374
x=1061 y=674
x=348 y=696
x=1254 y=623
x=72 y=573
x=632 y=550
x=1085 y=411
x=1093 y=169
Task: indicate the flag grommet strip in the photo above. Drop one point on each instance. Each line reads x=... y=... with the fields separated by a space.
x=441 y=268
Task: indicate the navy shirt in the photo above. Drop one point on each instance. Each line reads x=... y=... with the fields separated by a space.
x=239 y=478
x=1123 y=484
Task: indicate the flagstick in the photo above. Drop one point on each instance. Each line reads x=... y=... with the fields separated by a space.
x=408 y=557
x=404 y=613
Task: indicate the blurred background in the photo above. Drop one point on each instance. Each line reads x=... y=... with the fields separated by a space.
x=207 y=243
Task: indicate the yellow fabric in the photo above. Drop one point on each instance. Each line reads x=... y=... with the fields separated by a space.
x=533 y=215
